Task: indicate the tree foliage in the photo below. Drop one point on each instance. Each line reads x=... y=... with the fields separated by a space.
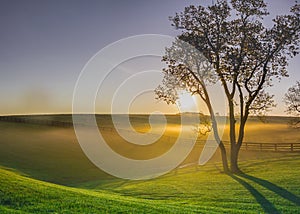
x=292 y=101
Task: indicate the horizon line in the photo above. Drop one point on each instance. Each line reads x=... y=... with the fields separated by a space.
x=135 y=113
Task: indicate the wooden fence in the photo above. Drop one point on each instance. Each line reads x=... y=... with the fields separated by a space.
x=268 y=147
x=276 y=147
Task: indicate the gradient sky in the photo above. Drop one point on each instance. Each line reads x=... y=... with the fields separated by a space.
x=45 y=44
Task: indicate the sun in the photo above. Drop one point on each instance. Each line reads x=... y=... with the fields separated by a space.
x=187 y=102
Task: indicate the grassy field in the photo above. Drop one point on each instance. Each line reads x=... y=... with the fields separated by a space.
x=204 y=191
x=33 y=157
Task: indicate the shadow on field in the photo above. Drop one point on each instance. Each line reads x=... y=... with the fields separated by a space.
x=267 y=206
x=274 y=188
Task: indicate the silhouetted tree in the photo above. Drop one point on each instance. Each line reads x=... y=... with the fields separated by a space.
x=245 y=56
x=292 y=101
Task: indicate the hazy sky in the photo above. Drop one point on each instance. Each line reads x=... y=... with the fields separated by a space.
x=45 y=44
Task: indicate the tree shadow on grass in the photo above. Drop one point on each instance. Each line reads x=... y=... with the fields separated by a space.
x=274 y=188
x=267 y=206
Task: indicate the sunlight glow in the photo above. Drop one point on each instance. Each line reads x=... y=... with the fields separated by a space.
x=187 y=103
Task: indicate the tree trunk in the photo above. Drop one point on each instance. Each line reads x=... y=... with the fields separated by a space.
x=234 y=150
x=234 y=155
x=215 y=130
x=224 y=157
x=221 y=145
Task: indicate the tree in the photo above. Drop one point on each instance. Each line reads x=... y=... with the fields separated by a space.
x=245 y=55
x=292 y=100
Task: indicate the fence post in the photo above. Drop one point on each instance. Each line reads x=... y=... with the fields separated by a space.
x=292 y=147
x=275 y=145
x=246 y=145
x=260 y=145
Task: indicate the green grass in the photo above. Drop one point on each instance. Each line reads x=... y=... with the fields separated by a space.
x=19 y=193
x=53 y=153
x=271 y=187
x=33 y=157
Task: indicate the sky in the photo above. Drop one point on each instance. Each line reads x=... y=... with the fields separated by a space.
x=44 y=45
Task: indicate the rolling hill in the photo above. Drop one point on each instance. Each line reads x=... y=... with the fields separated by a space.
x=43 y=170
x=272 y=187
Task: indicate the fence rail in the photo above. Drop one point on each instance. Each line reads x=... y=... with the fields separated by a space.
x=276 y=147
x=272 y=147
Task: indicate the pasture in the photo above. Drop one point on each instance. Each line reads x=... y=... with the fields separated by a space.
x=43 y=169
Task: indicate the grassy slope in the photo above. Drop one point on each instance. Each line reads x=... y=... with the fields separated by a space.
x=53 y=154
x=19 y=193
x=272 y=187
x=46 y=153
